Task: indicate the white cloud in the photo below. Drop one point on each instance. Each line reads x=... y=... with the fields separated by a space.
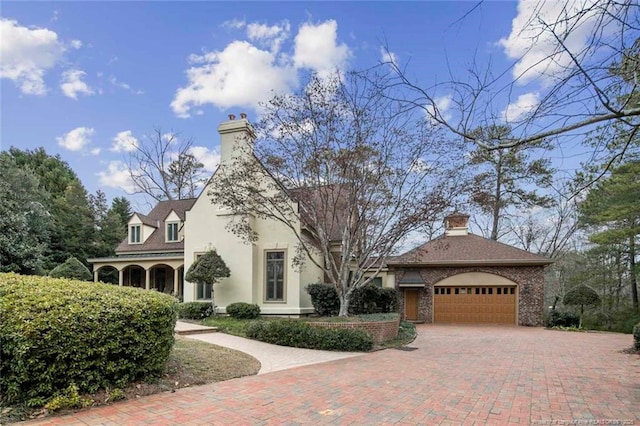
x=72 y=84
x=124 y=142
x=387 y=56
x=95 y=151
x=533 y=45
x=247 y=72
x=240 y=75
x=76 y=44
x=121 y=84
x=523 y=105
x=27 y=54
x=442 y=105
x=76 y=139
x=208 y=157
x=317 y=48
x=272 y=36
x=116 y=176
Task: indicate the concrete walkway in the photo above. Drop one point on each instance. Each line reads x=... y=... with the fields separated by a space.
x=271 y=357
x=455 y=375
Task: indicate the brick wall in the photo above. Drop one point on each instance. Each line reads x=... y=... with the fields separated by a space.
x=530 y=280
x=381 y=331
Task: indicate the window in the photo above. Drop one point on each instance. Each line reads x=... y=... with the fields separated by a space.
x=134 y=234
x=377 y=282
x=172 y=231
x=275 y=276
x=203 y=291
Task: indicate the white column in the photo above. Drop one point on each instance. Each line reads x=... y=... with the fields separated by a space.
x=176 y=282
x=147 y=283
x=95 y=276
x=121 y=277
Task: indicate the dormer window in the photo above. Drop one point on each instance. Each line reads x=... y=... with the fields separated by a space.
x=134 y=234
x=172 y=232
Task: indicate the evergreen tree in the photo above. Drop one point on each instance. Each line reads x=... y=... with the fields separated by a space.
x=207 y=270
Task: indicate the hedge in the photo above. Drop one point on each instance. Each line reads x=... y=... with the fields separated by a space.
x=195 y=310
x=364 y=300
x=636 y=336
x=57 y=333
x=72 y=268
x=298 y=334
x=563 y=319
x=241 y=310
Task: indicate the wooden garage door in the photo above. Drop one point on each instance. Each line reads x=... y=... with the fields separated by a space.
x=495 y=305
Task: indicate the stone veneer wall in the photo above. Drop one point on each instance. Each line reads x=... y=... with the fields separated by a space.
x=381 y=331
x=530 y=280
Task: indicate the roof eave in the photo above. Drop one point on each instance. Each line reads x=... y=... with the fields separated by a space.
x=506 y=262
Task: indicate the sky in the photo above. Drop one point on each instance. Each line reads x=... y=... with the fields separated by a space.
x=85 y=79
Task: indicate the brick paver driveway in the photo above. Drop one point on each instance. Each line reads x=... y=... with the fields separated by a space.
x=457 y=375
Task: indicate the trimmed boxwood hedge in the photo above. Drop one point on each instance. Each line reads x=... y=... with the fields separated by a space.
x=301 y=335
x=195 y=310
x=241 y=310
x=364 y=300
x=56 y=333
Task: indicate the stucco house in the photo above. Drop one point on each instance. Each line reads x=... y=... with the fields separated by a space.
x=458 y=277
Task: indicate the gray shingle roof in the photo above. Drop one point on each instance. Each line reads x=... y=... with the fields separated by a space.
x=466 y=250
x=156 y=242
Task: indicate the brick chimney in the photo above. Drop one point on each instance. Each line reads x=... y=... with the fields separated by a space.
x=236 y=138
x=456 y=224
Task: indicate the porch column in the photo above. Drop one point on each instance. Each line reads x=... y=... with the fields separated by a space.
x=176 y=282
x=95 y=276
x=147 y=277
x=120 y=277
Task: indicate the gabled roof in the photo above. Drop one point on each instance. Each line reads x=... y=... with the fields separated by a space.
x=313 y=197
x=156 y=242
x=466 y=250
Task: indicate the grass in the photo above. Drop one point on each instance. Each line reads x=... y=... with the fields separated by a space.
x=191 y=363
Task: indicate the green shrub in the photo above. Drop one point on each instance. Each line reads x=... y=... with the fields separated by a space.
x=636 y=336
x=241 y=310
x=324 y=299
x=364 y=300
x=73 y=269
x=195 y=310
x=563 y=319
x=299 y=334
x=56 y=333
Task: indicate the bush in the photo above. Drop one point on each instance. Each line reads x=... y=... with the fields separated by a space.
x=299 y=334
x=636 y=336
x=195 y=310
x=58 y=334
x=73 y=269
x=241 y=310
x=324 y=299
x=563 y=319
x=364 y=300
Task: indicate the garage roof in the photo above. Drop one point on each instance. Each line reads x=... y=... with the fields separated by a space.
x=466 y=250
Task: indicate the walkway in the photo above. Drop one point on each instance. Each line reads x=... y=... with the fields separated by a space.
x=455 y=375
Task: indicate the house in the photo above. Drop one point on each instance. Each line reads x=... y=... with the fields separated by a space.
x=459 y=277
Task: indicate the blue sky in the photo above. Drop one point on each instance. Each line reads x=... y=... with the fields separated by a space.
x=78 y=78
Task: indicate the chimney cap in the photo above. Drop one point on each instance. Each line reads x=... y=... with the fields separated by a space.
x=232 y=117
x=243 y=115
x=456 y=224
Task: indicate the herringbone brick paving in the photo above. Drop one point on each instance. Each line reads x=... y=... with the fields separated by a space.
x=458 y=375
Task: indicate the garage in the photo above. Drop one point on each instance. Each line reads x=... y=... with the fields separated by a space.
x=485 y=304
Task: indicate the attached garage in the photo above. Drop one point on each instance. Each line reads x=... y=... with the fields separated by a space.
x=464 y=278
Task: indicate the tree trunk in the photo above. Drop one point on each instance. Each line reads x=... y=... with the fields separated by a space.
x=497 y=201
x=345 y=299
x=213 y=303
x=632 y=266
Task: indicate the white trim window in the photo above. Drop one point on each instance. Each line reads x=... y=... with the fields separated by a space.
x=274 y=276
x=172 y=232
x=135 y=234
x=204 y=291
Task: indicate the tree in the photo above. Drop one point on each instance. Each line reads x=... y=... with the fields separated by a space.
x=207 y=270
x=559 y=85
x=73 y=269
x=162 y=166
x=110 y=223
x=346 y=170
x=24 y=219
x=72 y=231
x=611 y=209
x=503 y=176
x=582 y=296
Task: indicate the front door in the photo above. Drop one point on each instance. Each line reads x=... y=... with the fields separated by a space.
x=411 y=304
